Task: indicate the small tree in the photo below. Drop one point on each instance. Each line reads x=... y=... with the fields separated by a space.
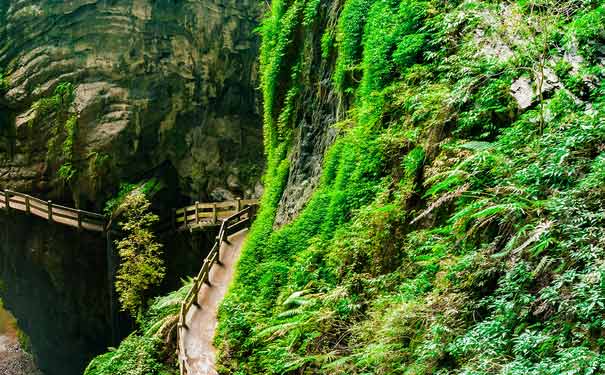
x=141 y=266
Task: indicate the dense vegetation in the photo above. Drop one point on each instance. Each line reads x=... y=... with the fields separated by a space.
x=4 y=84
x=141 y=265
x=149 y=350
x=455 y=229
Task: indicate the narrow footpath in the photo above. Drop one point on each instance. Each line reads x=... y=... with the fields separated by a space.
x=200 y=354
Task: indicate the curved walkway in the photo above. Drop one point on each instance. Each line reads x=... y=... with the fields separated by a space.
x=199 y=355
x=10 y=200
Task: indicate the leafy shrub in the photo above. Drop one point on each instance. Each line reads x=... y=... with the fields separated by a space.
x=141 y=266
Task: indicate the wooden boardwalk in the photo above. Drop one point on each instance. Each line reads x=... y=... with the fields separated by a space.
x=199 y=216
x=202 y=215
x=13 y=201
x=197 y=317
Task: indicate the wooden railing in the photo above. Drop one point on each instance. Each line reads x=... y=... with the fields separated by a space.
x=10 y=200
x=197 y=216
x=229 y=226
x=208 y=214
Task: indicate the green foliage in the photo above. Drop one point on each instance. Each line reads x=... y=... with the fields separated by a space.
x=589 y=32
x=141 y=266
x=277 y=30
x=136 y=356
x=451 y=231
x=61 y=100
x=67 y=172
x=142 y=353
x=55 y=110
x=4 y=83
x=310 y=11
x=389 y=25
x=348 y=37
x=147 y=187
x=113 y=204
x=491 y=107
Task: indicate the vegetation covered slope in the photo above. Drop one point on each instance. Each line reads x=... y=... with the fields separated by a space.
x=458 y=226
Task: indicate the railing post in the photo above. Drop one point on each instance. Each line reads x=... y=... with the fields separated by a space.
x=27 y=206
x=214 y=214
x=197 y=212
x=50 y=210
x=238 y=204
x=185 y=216
x=7 y=204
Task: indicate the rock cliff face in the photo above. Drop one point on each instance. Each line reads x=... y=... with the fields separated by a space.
x=157 y=84
x=94 y=93
x=55 y=283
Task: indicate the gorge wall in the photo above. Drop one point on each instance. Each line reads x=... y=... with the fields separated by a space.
x=156 y=85
x=55 y=283
x=96 y=93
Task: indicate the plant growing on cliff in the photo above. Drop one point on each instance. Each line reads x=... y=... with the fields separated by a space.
x=141 y=266
x=452 y=231
x=4 y=84
x=56 y=110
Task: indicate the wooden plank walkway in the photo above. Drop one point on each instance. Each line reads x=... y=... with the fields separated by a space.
x=194 y=331
x=197 y=317
x=199 y=216
x=10 y=200
x=198 y=356
x=202 y=215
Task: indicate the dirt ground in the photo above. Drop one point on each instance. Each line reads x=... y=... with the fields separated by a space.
x=13 y=360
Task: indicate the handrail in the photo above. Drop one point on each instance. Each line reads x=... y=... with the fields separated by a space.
x=11 y=200
x=198 y=215
x=208 y=214
x=230 y=225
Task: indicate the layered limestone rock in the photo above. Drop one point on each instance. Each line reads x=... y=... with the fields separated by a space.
x=157 y=84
